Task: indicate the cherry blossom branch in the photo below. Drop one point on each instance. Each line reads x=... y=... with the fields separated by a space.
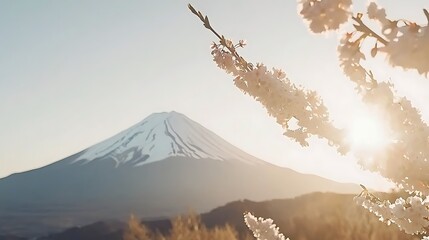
x=282 y=98
x=362 y=27
x=405 y=46
x=223 y=41
x=426 y=14
x=405 y=159
x=263 y=229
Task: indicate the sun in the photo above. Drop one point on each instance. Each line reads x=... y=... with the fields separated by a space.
x=367 y=133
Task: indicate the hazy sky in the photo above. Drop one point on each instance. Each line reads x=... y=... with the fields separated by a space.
x=73 y=73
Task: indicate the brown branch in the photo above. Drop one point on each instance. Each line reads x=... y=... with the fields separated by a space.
x=426 y=14
x=204 y=19
x=222 y=39
x=246 y=66
x=361 y=27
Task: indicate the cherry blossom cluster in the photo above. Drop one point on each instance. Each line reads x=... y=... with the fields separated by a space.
x=403 y=161
x=406 y=45
x=263 y=229
x=324 y=15
x=282 y=99
x=350 y=58
x=411 y=215
x=406 y=158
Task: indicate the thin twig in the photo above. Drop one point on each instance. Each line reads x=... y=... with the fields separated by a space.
x=222 y=39
x=366 y=30
x=426 y=14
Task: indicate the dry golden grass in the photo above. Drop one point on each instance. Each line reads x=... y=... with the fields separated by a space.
x=187 y=227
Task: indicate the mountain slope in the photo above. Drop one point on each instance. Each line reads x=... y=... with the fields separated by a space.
x=162 y=135
x=163 y=166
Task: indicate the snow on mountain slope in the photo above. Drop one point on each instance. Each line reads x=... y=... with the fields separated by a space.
x=163 y=135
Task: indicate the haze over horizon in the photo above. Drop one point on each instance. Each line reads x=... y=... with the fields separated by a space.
x=77 y=72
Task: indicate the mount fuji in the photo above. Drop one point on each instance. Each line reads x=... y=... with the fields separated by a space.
x=165 y=165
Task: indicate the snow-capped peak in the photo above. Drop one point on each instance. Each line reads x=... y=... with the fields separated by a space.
x=162 y=135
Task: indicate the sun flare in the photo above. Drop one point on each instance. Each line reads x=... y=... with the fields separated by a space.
x=367 y=133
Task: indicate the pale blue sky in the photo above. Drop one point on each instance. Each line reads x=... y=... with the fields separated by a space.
x=73 y=73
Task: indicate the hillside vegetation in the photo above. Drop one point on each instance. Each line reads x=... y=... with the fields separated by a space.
x=316 y=216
